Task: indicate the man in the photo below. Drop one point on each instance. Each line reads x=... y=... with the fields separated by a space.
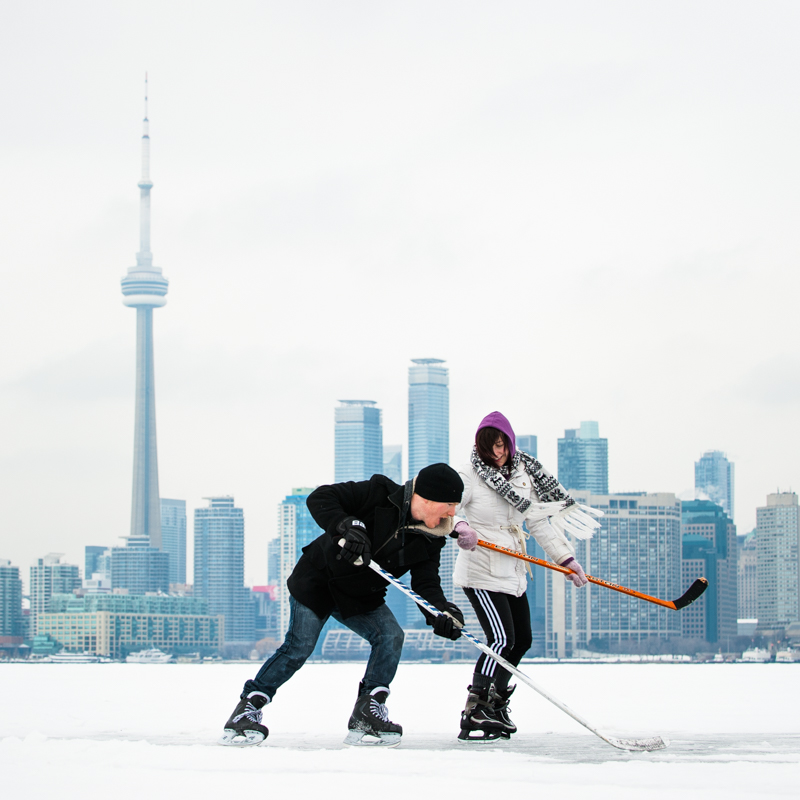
x=404 y=529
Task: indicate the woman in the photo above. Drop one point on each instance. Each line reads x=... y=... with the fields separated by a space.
x=503 y=489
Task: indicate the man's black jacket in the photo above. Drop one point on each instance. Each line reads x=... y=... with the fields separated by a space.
x=323 y=583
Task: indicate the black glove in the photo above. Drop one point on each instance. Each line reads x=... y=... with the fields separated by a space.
x=445 y=626
x=356 y=541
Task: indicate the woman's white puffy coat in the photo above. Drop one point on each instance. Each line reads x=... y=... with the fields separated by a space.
x=498 y=522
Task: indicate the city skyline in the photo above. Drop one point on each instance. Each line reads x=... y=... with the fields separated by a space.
x=151 y=571
x=611 y=168
x=636 y=544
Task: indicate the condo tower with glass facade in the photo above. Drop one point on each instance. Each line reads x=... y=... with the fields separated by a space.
x=358 y=441
x=428 y=414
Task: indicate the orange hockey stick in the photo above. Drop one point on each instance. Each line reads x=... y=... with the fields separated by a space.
x=689 y=596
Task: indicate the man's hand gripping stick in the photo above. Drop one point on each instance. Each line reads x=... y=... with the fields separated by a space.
x=360 y=561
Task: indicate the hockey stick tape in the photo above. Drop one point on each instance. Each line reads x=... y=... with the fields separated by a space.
x=456 y=622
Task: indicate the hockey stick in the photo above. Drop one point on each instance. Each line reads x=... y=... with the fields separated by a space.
x=646 y=744
x=689 y=596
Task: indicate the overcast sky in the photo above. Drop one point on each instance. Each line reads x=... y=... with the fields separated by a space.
x=586 y=208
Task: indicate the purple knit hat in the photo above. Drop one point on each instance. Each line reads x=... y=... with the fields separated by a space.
x=497 y=420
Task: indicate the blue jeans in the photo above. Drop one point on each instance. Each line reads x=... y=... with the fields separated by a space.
x=378 y=627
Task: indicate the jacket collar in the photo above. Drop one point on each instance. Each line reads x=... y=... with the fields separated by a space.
x=402 y=500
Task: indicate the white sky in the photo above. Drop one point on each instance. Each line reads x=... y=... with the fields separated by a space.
x=586 y=208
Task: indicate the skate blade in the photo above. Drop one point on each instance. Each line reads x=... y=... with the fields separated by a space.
x=364 y=739
x=236 y=739
x=483 y=736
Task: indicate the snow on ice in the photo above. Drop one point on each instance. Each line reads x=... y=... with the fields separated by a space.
x=133 y=731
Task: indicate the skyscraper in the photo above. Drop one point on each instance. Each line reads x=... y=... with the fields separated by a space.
x=778 y=570
x=266 y=611
x=96 y=560
x=747 y=597
x=144 y=288
x=713 y=476
x=173 y=537
x=428 y=414
x=537 y=599
x=447 y=564
x=296 y=529
x=583 y=459
x=709 y=551
x=48 y=577
x=219 y=567
x=139 y=568
x=358 y=441
x=638 y=546
x=528 y=444
x=274 y=561
x=12 y=627
x=393 y=462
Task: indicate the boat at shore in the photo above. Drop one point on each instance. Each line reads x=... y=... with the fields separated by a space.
x=75 y=658
x=787 y=656
x=151 y=656
x=756 y=655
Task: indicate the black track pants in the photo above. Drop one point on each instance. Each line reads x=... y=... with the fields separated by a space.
x=506 y=621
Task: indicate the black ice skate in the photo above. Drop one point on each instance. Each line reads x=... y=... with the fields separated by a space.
x=244 y=726
x=499 y=699
x=370 y=719
x=479 y=721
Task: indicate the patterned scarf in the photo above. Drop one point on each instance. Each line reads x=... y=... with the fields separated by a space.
x=555 y=504
x=546 y=487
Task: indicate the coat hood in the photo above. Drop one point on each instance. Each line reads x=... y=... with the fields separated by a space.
x=497 y=420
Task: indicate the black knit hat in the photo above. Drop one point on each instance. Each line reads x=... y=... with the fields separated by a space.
x=439 y=483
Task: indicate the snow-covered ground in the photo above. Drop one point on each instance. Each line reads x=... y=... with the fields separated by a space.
x=149 y=731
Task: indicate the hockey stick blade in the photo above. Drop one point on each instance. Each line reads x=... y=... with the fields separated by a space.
x=691 y=594
x=646 y=745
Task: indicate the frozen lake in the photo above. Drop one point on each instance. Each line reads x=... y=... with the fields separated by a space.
x=128 y=731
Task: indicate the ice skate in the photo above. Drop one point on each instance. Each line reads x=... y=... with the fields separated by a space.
x=244 y=725
x=479 y=721
x=370 y=724
x=499 y=700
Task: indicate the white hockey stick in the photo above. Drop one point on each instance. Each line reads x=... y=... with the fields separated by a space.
x=645 y=744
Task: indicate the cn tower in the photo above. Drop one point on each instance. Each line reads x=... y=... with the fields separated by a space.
x=144 y=288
